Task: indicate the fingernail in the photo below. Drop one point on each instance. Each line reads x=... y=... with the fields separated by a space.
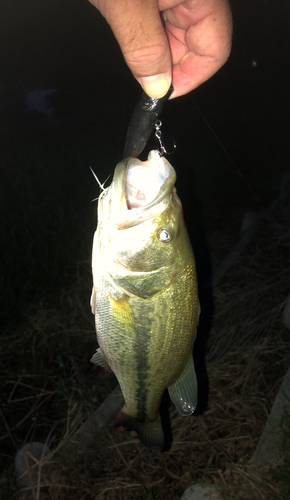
x=155 y=86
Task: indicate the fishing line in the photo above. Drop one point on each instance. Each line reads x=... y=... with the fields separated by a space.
x=229 y=157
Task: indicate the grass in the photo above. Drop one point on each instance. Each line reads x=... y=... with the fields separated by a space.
x=48 y=386
x=281 y=475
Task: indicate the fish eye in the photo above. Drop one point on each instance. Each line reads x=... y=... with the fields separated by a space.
x=164 y=235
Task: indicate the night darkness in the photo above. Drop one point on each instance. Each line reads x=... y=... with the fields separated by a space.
x=233 y=147
x=68 y=47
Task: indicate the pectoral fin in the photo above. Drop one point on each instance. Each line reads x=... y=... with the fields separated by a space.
x=183 y=392
x=99 y=359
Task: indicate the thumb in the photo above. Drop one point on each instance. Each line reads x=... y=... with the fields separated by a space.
x=139 y=31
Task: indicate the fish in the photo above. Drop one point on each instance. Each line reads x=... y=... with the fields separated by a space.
x=145 y=294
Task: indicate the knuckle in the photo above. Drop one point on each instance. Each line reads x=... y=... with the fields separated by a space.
x=147 y=57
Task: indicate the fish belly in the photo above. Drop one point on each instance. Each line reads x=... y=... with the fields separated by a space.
x=146 y=342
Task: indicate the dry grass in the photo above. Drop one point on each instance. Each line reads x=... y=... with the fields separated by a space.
x=49 y=388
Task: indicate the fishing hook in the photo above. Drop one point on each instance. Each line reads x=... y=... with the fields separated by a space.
x=158 y=135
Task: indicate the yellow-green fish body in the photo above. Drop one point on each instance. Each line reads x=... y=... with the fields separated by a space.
x=145 y=296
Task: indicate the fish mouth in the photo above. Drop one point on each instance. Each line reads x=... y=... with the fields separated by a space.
x=141 y=189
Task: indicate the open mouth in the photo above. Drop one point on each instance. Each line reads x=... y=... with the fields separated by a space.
x=140 y=189
x=144 y=180
x=142 y=186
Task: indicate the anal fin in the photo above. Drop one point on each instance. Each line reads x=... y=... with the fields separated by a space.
x=183 y=392
x=99 y=359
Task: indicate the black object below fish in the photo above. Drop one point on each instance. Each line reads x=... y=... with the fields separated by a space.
x=144 y=116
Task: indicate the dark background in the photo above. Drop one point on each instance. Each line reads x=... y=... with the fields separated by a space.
x=232 y=134
x=232 y=137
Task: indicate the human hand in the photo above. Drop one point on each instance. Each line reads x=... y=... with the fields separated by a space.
x=190 y=46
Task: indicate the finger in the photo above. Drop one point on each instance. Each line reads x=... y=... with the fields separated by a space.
x=204 y=28
x=177 y=43
x=139 y=31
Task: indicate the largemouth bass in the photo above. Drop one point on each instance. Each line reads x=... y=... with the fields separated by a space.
x=145 y=297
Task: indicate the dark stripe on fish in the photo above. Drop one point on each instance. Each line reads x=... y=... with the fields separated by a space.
x=142 y=360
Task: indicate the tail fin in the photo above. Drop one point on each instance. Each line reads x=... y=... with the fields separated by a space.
x=150 y=433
